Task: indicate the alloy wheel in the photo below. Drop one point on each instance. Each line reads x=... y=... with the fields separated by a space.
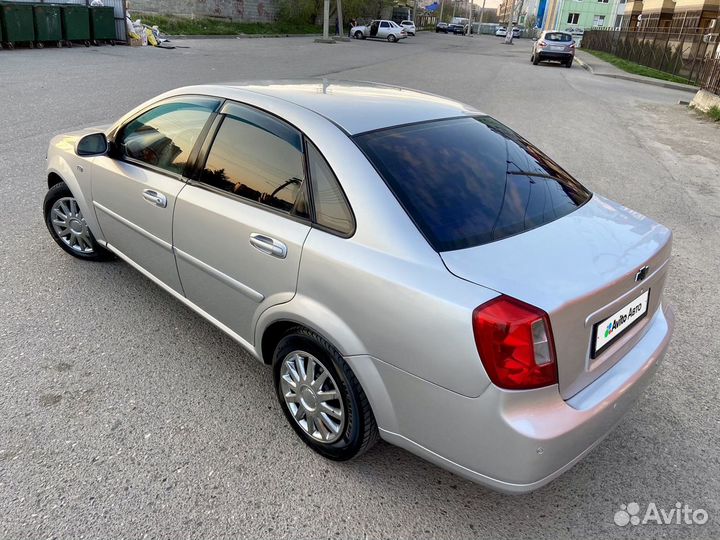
x=70 y=225
x=312 y=397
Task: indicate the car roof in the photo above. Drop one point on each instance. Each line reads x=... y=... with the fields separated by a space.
x=356 y=107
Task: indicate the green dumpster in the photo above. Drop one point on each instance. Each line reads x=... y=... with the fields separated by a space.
x=102 y=24
x=17 y=23
x=48 y=26
x=75 y=23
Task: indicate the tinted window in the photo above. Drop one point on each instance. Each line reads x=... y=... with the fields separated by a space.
x=384 y=25
x=558 y=36
x=469 y=181
x=165 y=136
x=331 y=208
x=257 y=157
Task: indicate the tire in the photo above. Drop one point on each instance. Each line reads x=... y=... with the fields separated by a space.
x=536 y=59
x=569 y=63
x=356 y=431
x=359 y=35
x=391 y=38
x=84 y=246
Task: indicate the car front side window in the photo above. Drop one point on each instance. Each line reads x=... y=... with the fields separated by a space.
x=165 y=135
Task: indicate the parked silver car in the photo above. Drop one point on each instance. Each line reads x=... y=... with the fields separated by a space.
x=380 y=29
x=554 y=45
x=436 y=281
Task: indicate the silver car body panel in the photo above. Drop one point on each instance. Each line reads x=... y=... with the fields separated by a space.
x=220 y=270
x=587 y=273
x=141 y=230
x=386 y=299
x=511 y=441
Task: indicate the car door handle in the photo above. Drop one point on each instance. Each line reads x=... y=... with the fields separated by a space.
x=268 y=245
x=153 y=197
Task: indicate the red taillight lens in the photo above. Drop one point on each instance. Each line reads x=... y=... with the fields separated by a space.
x=572 y=45
x=514 y=340
x=542 y=44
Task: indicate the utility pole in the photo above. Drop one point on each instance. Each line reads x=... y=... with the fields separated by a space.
x=509 y=34
x=482 y=15
x=341 y=30
x=442 y=5
x=326 y=25
x=326 y=20
x=454 y=3
x=414 y=10
x=469 y=18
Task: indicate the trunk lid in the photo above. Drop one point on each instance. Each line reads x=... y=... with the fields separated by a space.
x=580 y=269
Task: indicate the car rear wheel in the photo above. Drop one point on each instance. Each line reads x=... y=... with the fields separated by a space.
x=359 y=35
x=321 y=398
x=536 y=59
x=392 y=38
x=68 y=227
x=569 y=63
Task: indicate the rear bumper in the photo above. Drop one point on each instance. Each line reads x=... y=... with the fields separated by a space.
x=513 y=442
x=559 y=56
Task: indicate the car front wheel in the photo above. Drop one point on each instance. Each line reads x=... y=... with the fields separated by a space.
x=321 y=398
x=68 y=227
x=358 y=35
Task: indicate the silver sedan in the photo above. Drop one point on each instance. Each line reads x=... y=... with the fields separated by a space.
x=410 y=268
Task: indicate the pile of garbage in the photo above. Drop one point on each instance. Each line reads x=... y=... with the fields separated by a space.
x=141 y=34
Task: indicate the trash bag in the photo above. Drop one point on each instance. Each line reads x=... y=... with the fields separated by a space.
x=150 y=37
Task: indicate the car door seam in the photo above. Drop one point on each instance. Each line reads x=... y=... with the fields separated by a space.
x=159 y=241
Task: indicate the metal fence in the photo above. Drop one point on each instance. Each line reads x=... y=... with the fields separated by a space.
x=687 y=53
x=117 y=5
x=710 y=79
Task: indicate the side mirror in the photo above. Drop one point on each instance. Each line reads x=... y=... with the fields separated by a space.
x=94 y=144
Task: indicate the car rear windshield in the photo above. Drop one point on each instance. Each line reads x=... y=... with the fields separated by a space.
x=558 y=36
x=469 y=181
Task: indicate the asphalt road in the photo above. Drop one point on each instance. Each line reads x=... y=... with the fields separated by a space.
x=124 y=414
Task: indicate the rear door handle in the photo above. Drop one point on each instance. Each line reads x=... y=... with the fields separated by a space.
x=268 y=245
x=154 y=197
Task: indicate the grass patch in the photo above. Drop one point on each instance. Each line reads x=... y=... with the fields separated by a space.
x=181 y=26
x=714 y=113
x=637 y=69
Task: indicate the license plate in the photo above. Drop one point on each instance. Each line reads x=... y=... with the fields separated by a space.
x=607 y=331
x=556 y=48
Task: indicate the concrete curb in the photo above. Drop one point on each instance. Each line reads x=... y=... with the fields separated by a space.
x=584 y=65
x=704 y=101
x=638 y=78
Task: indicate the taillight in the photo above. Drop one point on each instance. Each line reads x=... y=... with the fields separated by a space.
x=572 y=45
x=542 y=44
x=514 y=340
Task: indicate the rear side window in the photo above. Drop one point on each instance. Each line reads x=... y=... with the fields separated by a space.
x=257 y=157
x=331 y=208
x=558 y=36
x=470 y=181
